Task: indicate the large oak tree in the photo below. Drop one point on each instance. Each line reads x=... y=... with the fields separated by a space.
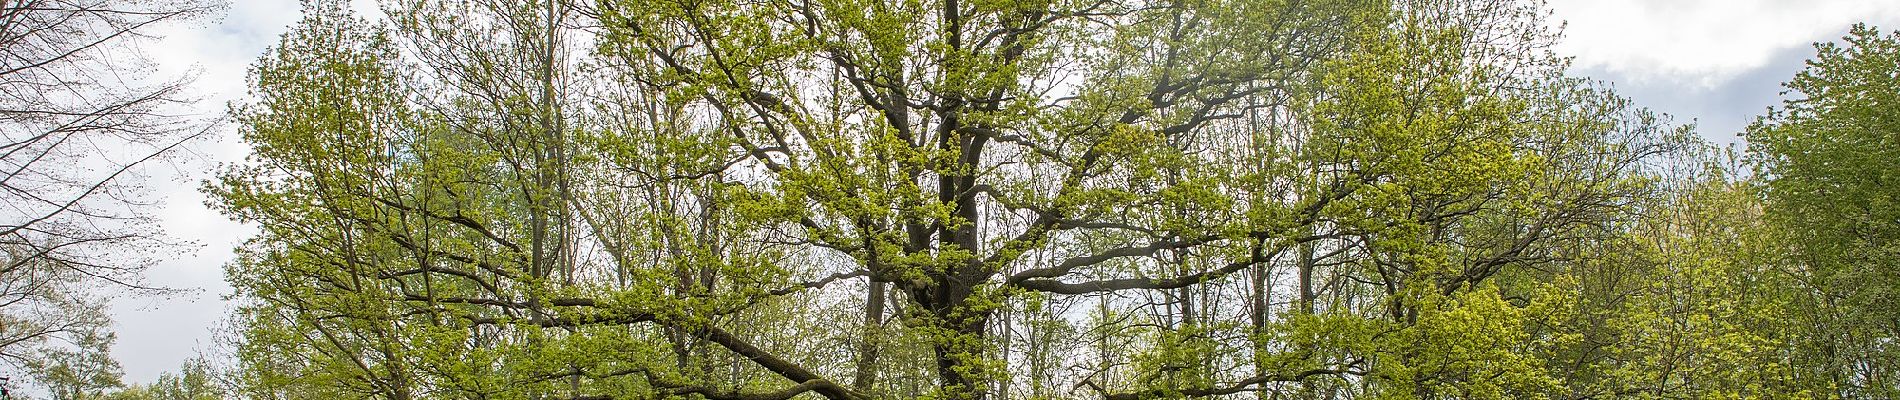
x=957 y=199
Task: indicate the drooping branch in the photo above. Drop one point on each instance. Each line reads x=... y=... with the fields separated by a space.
x=1250 y=383
x=770 y=362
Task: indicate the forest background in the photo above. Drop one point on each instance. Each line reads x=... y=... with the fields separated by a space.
x=1526 y=22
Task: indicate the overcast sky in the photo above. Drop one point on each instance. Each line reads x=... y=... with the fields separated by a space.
x=1716 y=63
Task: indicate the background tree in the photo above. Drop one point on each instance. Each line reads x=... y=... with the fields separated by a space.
x=76 y=124
x=1827 y=157
x=82 y=370
x=195 y=379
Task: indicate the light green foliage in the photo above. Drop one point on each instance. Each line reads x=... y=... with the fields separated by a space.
x=972 y=199
x=83 y=371
x=196 y=379
x=1689 y=301
x=87 y=372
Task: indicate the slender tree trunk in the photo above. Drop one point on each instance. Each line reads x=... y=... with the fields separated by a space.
x=1306 y=277
x=1259 y=300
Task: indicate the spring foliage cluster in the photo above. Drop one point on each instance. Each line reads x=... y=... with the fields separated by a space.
x=1038 y=199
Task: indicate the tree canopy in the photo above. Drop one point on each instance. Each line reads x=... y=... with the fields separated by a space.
x=996 y=199
x=1829 y=158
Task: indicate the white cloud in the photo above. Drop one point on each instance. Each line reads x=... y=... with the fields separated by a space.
x=156 y=334
x=1703 y=41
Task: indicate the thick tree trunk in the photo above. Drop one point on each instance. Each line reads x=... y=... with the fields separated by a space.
x=867 y=343
x=960 y=355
